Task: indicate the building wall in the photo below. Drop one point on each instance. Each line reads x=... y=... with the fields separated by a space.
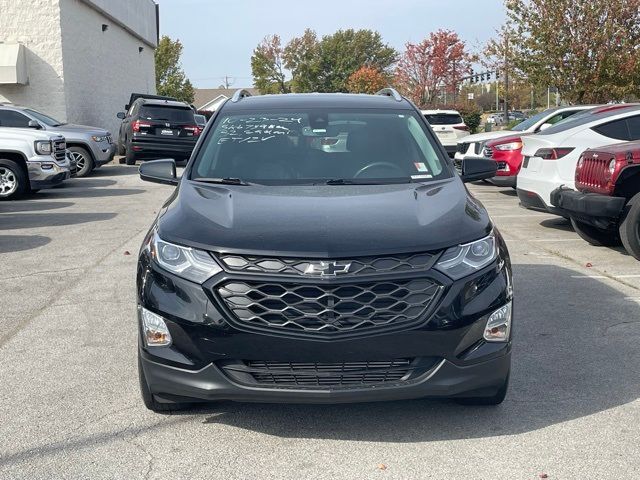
x=102 y=69
x=36 y=23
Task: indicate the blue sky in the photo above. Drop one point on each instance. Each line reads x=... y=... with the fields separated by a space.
x=219 y=37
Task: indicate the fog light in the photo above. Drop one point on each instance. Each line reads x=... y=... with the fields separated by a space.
x=499 y=325
x=156 y=333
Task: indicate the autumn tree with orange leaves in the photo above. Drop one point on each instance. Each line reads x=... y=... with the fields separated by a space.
x=437 y=63
x=367 y=80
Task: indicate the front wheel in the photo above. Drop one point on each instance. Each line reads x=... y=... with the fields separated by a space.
x=83 y=161
x=13 y=180
x=594 y=235
x=130 y=158
x=630 y=228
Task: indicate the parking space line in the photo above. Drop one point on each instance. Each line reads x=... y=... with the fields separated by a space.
x=577 y=239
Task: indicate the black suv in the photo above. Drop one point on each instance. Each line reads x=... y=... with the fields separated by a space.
x=322 y=248
x=155 y=128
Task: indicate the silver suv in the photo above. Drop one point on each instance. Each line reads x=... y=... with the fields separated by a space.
x=90 y=147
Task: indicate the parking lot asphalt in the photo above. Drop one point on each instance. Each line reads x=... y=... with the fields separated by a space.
x=70 y=406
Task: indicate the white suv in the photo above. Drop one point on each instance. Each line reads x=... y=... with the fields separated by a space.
x=448 y=126
x=550 y=157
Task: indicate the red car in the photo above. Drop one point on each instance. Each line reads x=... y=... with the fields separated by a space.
x=507 y=151
x=605 y=209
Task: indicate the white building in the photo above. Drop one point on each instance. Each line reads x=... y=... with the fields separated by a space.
x=77 y=60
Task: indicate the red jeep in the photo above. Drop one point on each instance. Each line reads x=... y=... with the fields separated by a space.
x=605 y=209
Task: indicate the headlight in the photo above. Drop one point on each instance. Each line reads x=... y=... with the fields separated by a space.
x=499 y=325
x=189 y=263
x=462 y=260
x=509 y=146
x=99 y=138
x=43 y=147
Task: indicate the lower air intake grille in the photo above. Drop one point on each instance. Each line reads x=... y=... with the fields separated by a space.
x=344 y=374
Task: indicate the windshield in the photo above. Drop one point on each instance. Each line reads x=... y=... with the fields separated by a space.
x=46 y=119
x=318 y=146
x=531 y=121
x=168 y=114
x=443 y=118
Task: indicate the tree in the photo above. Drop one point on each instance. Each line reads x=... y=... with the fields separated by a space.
x=170 y=78
x=301 y=59
x=267 y=66
x=438 y=62
x=367 y=80
x=344 y=52
x=587 y=50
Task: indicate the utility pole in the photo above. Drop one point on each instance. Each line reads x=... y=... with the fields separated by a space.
x=506 y=78
x=227 y=81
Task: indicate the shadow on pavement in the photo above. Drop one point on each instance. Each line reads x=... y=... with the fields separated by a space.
x=114 y=169
x=575 y=354
x=19 y=243
x=557 y=223
x=31 y=206
x=86 y=183
x=17 y=221
x=509 y=192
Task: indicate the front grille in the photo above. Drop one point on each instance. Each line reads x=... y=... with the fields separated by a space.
x=304 y=267
x=59 y=150
x=502 y=166
x=488 y=152
x=592 y=175
x=328 y=309
x=462 y=147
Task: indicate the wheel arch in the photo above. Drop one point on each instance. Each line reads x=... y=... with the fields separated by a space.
x=628 y=182
x=17 y=157
x=77 y=143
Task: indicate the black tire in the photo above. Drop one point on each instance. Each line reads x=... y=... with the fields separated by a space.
x=13 y=180
x=149 y=400
x=630 y=228
x=596 y=236
x=121 y=160
x=496 y=399
x=121 y=148
x=130 y=158
x=83 y=159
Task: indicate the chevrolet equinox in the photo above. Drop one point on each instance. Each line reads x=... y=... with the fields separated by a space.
x=322 y=248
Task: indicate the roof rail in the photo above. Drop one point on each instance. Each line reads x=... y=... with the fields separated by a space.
x=390 y=92
x=240 y=94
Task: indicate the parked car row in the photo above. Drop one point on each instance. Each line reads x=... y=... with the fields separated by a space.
x=37 y=151
x=580 y=162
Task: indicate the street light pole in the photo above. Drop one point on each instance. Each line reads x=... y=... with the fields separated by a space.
x=506 y=78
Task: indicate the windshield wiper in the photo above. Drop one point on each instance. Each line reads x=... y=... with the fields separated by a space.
x=346 y=181
x=224 y=181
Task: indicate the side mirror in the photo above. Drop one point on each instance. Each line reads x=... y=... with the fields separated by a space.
x=34 y=124
x=121 y=115
x=160 y=171
x=544 y=126
x=478 y=168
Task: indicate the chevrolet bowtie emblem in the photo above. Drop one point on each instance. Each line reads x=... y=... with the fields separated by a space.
x=327 y=269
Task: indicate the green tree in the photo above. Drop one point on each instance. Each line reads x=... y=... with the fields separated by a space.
x=344 y=52
x=587 y=50
x=267 y=66
x=301 y=59
x=170 y=78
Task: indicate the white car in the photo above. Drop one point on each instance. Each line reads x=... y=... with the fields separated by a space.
x=473 y=145
x=448 y=126
x=550 y=157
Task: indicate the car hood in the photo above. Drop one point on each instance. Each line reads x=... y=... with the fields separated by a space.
x=69 y=128
x=323 y=221
x=30 y=134
x=484 y=136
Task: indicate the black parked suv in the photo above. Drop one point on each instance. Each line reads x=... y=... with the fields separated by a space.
x=156 y=128
x=322 y=248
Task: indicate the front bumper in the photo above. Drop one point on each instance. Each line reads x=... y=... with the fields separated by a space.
x=51 y=175
x=206 y=340
x=592 y=208
x=103 y=153
x=445 y=379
